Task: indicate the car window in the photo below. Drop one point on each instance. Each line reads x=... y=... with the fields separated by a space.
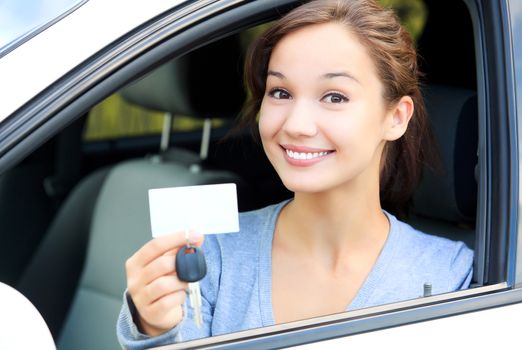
x=453 y=216
x=20 y=21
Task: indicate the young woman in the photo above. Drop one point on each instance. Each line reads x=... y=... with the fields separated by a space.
x=335 y=83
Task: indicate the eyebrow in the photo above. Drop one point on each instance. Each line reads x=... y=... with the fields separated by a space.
x=324 y=76
x=340 y=74
x=276 y=74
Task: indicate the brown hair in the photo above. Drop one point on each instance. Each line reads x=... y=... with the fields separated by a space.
x=395 y=59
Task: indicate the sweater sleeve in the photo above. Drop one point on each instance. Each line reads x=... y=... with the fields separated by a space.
x=131 y=338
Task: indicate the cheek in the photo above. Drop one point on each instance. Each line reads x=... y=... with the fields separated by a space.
x=359 y=128
x=269 y=122
x=346 y=129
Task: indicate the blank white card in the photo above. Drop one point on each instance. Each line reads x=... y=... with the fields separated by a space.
x=208 y=209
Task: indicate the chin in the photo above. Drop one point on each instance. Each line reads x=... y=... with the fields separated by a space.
x=301 y=186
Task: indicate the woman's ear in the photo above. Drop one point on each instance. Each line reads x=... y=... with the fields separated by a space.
x=398 y=118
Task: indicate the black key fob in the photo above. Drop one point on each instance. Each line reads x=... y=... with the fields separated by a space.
x=190 y=264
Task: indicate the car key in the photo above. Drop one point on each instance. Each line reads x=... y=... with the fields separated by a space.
x=191 y=267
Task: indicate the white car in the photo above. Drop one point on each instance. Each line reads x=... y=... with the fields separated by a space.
x=101 y=100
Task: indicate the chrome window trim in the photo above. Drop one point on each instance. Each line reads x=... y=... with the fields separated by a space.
x=360 y=321
x=512 y=113
x=4 y=50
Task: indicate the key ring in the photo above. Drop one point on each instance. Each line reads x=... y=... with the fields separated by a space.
x=188 y=244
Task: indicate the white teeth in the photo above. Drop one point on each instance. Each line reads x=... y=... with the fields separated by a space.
x=305 y=155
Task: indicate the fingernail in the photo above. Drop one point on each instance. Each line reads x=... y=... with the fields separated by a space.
x=195 y=237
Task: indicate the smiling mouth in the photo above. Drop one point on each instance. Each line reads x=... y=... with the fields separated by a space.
x=306 y=155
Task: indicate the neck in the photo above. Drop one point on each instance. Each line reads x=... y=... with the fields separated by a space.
x=334 y=225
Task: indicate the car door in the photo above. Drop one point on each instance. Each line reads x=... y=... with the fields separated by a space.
x=48 y=85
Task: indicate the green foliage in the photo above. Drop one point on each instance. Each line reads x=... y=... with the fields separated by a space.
x=412 y=13
x=115 y=118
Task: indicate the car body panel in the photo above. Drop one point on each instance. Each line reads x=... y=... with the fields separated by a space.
x=19 y=315
x=467 y=331
x=51 y=54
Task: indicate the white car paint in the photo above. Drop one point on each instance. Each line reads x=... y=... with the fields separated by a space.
x=490 y=329
x=22 y=325
x=45 y=58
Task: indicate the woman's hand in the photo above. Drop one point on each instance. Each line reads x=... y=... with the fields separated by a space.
x=153 y=285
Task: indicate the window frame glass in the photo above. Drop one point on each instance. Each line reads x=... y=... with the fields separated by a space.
x=28 y=23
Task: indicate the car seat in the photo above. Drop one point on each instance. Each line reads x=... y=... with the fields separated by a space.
x=445 y=204
x=77 y=277
x=37 y=185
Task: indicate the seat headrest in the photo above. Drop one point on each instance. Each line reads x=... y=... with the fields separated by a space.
x=161 y=90
x=451 y=196
x=205 y=83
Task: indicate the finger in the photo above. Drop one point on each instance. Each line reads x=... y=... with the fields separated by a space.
x=161 y=245
x=163 y=265
x=163 y=286
x=145 y=295
x=166 y=312
x=167 y=302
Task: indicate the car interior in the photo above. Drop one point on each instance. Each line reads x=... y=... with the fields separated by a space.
x=75 y=210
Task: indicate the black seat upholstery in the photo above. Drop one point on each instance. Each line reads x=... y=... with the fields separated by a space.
x=35 y=187
x=206 y=83
x=445 y=204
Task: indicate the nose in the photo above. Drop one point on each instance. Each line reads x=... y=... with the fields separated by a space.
x=300 y=120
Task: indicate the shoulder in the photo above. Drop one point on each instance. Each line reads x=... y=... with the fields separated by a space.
x=444 y=263
x=426 y=247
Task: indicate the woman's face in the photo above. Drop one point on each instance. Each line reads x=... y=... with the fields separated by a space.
x=323 y=120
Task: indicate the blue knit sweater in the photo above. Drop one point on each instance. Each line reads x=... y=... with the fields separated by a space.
x=237 y=292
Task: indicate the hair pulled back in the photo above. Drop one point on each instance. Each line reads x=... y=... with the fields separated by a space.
x=391 y=48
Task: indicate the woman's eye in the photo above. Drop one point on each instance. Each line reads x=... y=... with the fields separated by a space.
x=335 y=97
x=279 y=94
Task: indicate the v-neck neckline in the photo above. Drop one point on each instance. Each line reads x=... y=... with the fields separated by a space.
x=363 y=295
